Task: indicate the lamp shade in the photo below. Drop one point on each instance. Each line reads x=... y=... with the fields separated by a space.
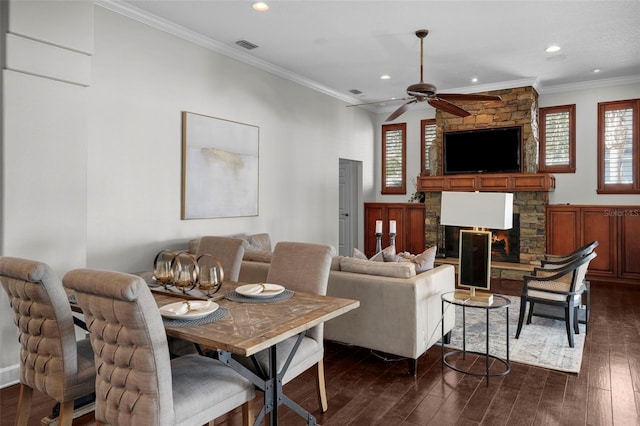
x=493 y=210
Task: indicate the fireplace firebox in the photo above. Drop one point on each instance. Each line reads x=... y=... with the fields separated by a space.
x=505 y=243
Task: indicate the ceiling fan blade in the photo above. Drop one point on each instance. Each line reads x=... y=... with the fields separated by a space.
x=380 y=102
x=461 y=97
x=397 y=113
x=448 y=107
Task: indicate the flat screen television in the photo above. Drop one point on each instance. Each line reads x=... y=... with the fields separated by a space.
x=495 y=150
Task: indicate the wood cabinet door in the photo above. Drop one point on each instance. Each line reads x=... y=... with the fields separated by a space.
x=629 y=246
x=395 y=212
x=415 y=240
x=372 y=212
x=599 y=224
x=563 y=229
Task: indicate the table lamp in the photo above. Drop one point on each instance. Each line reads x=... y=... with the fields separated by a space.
x=486 y=210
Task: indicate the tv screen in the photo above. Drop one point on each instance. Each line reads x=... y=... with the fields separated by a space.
x=495 y=150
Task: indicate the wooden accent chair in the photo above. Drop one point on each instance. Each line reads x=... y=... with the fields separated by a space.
x=300 y=267
x=562 y=287
x=228 y=251
x=51 y=360
x=137 y=383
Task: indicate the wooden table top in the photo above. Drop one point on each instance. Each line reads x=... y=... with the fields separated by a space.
x=252 y=327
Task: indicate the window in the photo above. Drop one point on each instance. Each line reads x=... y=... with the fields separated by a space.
x=394 y=158
x=427 y=138
x=558 y=139
x=619 y=147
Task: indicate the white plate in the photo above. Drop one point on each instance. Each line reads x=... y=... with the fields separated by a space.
x=262 y=290
x=180 y=310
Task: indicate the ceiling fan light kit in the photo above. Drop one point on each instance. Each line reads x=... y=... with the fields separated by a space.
x=422 y=91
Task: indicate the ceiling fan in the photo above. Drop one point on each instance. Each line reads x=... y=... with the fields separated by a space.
x=422 y=91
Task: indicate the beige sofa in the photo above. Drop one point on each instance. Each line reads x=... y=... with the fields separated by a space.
x=398 y=316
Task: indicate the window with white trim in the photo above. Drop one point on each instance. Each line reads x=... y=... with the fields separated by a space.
x=619 y=147
x=394 y=158
x=557 y=139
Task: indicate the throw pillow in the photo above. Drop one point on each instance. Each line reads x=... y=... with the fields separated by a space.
x=425 y=260
x=358 y=254
x=393 y=258
x=379 y=257
x=259 y=242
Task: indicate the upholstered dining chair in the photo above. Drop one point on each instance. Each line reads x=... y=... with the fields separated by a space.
x=228 y=251
x=137 y=383
x=51 y=360
x=562 y=287
x=300 y=267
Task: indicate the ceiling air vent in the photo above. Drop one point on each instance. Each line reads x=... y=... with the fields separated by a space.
x=355 y=91
x=246 y=44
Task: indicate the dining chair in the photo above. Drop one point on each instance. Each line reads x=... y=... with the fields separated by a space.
x=228 y=251
x=299 y=267
x=562 y=287
x=51 y=360
x=137 y=383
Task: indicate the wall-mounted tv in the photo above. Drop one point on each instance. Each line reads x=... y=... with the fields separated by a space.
x=495 y=150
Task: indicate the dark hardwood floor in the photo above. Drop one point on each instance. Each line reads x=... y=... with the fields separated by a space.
x=366 y=390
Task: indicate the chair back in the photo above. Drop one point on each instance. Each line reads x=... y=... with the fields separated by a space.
x=49 y=360
x=228 y=251
x=133 y=384
x=302 y=267
x=559 y=260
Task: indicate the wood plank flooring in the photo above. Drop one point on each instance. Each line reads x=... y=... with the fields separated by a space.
x=366 y=390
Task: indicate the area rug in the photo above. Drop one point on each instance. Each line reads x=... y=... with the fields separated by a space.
x=542 y=343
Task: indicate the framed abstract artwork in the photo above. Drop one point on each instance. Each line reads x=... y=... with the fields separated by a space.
x=220 y=160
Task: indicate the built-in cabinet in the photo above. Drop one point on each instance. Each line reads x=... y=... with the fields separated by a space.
x=616 y=228
x=409 y=219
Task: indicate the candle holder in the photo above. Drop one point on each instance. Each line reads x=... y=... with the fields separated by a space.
x=378 y=242
x=392 y=235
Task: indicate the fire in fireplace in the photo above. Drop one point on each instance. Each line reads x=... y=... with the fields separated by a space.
x=505 y=243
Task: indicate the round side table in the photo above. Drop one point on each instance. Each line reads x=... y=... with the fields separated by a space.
x=499 y=302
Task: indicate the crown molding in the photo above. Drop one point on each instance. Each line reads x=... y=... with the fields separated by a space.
x=633 y=79
x=193 y=37
x=511 y=84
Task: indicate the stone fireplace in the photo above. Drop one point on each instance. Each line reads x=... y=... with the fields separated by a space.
x=519 y=107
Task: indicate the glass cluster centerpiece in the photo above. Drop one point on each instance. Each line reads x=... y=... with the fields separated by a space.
x=186 y=271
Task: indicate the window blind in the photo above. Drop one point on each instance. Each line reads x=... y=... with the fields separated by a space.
x=557 y=139
x=618 y=146
x=394 y=157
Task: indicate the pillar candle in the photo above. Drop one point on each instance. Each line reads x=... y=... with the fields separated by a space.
x=378 y=227
x=392 y=226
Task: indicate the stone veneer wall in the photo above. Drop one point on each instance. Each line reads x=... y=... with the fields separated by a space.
x=519 y=106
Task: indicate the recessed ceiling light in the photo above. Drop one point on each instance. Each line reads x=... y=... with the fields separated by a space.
x=385 y=77
x=595 y=70
x=552 y=49
x=260 y=6
x=474 y=80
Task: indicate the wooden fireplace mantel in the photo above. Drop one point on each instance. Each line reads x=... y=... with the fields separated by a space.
x=507 y=182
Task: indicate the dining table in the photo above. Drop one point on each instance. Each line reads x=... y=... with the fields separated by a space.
x=249 y=328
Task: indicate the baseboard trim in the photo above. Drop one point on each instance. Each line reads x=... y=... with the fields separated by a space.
x=9 y=376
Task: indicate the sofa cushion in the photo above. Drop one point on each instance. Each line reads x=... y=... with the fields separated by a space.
x=425 y=260
x=379 y=257
x=259 y=242
x=257 y=256
x=361 y=266
x=358 y=254
x=335 y=262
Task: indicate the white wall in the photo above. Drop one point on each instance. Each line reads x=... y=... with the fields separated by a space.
x=126 y=204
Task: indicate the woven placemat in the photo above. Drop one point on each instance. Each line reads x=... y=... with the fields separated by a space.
x=234 y=296
x=218 y=314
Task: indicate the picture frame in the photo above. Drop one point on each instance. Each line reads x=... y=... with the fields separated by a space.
x=220 y=167
x=475 y=259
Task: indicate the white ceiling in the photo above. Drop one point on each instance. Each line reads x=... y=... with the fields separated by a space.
x=335 y=46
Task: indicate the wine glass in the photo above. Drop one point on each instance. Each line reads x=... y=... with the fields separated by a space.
x=162 y=272
x=209 y=283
